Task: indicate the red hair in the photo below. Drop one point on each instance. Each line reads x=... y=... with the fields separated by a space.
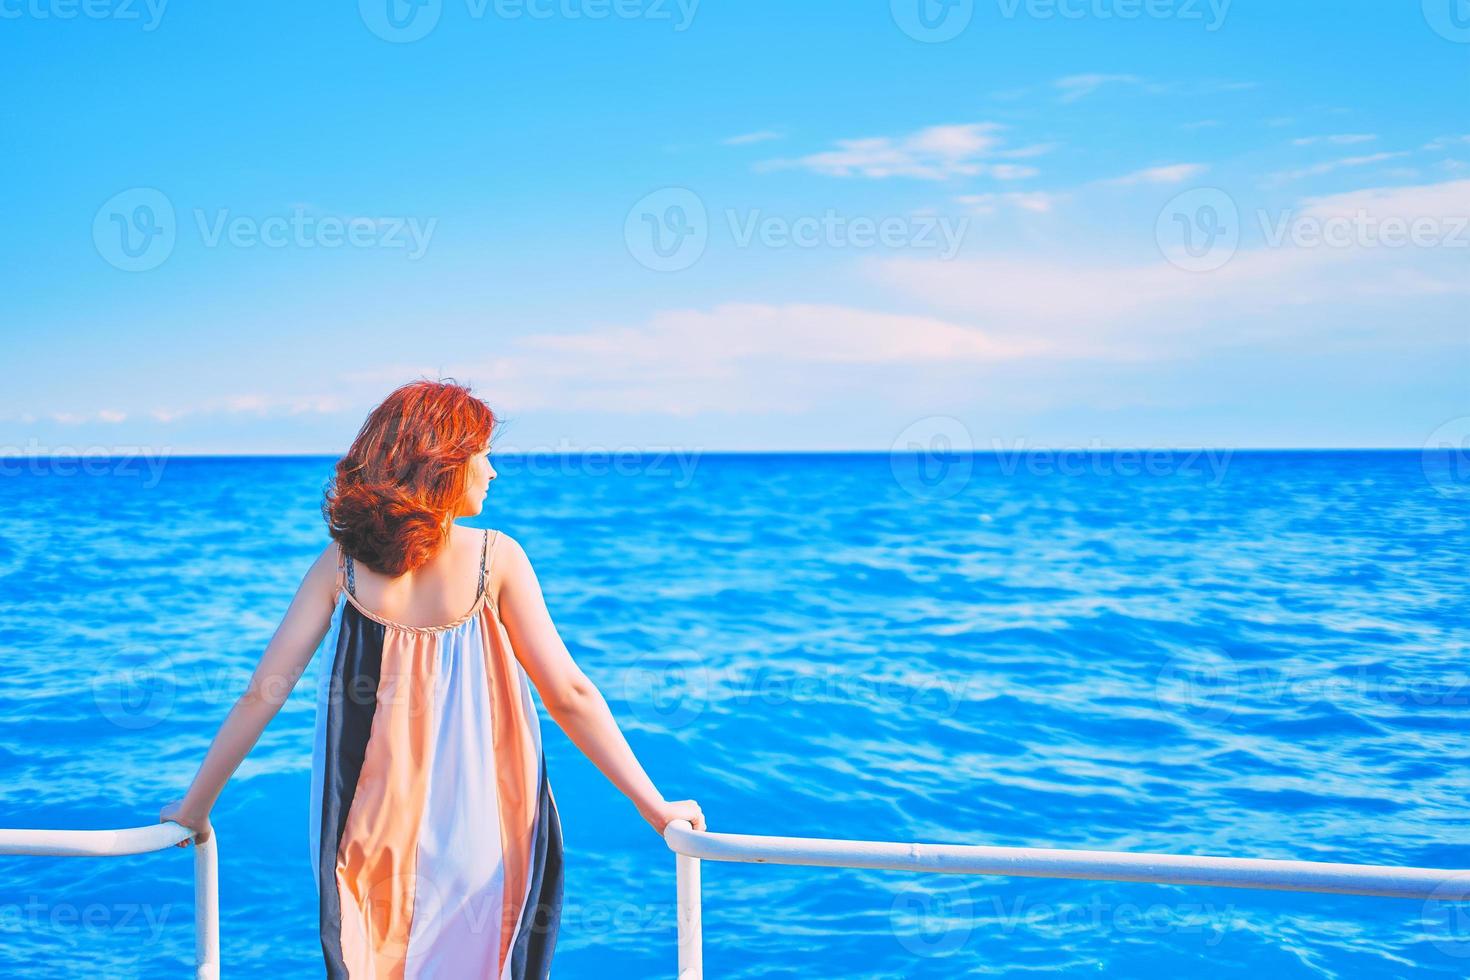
x=395 y=494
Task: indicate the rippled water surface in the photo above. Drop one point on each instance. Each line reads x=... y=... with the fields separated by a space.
x=1253 y=654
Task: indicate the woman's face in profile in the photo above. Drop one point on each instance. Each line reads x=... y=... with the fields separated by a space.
x=477 y=483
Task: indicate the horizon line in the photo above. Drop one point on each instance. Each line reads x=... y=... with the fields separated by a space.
x=313 y=454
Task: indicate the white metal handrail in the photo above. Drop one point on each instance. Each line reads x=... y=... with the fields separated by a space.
x=691 y=846
x=140 y=840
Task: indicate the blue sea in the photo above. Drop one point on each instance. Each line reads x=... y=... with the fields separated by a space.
x=1255 y=654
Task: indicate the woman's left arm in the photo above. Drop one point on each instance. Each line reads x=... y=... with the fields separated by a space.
x=285 y=659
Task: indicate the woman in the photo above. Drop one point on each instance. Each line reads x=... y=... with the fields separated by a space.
x=436 y=842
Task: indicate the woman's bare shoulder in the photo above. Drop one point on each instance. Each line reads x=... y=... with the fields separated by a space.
x=507 y=549
x=321 y=579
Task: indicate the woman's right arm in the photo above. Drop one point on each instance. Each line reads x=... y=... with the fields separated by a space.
x=574 y=702
x=285 y=659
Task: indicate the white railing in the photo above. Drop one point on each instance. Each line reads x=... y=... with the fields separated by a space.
x=140 y=840
x=692 y=846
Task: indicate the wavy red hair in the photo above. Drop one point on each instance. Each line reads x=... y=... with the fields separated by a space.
x=395 y=495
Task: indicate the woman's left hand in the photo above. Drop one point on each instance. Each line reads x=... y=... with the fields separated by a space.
x=197 y=822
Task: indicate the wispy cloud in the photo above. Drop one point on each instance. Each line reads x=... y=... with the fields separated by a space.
x=1174 y=173
x=1331 y=165
x=259 y=405
x=1074 y=87
x=935 y=153
x=1341 y=139
x=744 y=139
x=1447 y=142
x=1027 y=152
x=1036 y=202
x=1091 y=306
x=1448 y=201
x=737 y=357
x=1012 y=171
x=110 y=416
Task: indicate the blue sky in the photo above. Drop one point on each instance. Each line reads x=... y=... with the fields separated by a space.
x=1077 y=222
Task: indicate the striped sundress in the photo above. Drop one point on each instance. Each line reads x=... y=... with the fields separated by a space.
x=436 y=843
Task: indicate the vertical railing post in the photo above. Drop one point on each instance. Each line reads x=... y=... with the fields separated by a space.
x=206 y=910
x=691 y=940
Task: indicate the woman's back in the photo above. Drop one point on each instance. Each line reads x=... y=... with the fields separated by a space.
x=436 y=843
x=435 y=840
x=439 y=591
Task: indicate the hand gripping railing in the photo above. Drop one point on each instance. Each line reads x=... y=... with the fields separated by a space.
x=140 y=840
x=691 y=846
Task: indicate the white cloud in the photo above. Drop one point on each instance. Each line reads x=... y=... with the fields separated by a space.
x=1037 y=202
x=935 y=153
x=1092 y=308
x=1074 y=87
x=1342 y=139
x=736 y=357
x=1174 y=173
x=1445 y=142
x=1027 y=152
x=253 y=404
x=1072 y=295
x=743 y=139
x=1448 y=202
x=1012 y=171
x=1331 y=165
x=109 y=416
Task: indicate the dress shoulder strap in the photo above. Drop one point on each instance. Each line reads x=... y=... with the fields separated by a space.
x=351 y=574
x=487 y=558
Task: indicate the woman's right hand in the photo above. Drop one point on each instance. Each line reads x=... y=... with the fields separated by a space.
x=667 y=810
x=178 y=813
